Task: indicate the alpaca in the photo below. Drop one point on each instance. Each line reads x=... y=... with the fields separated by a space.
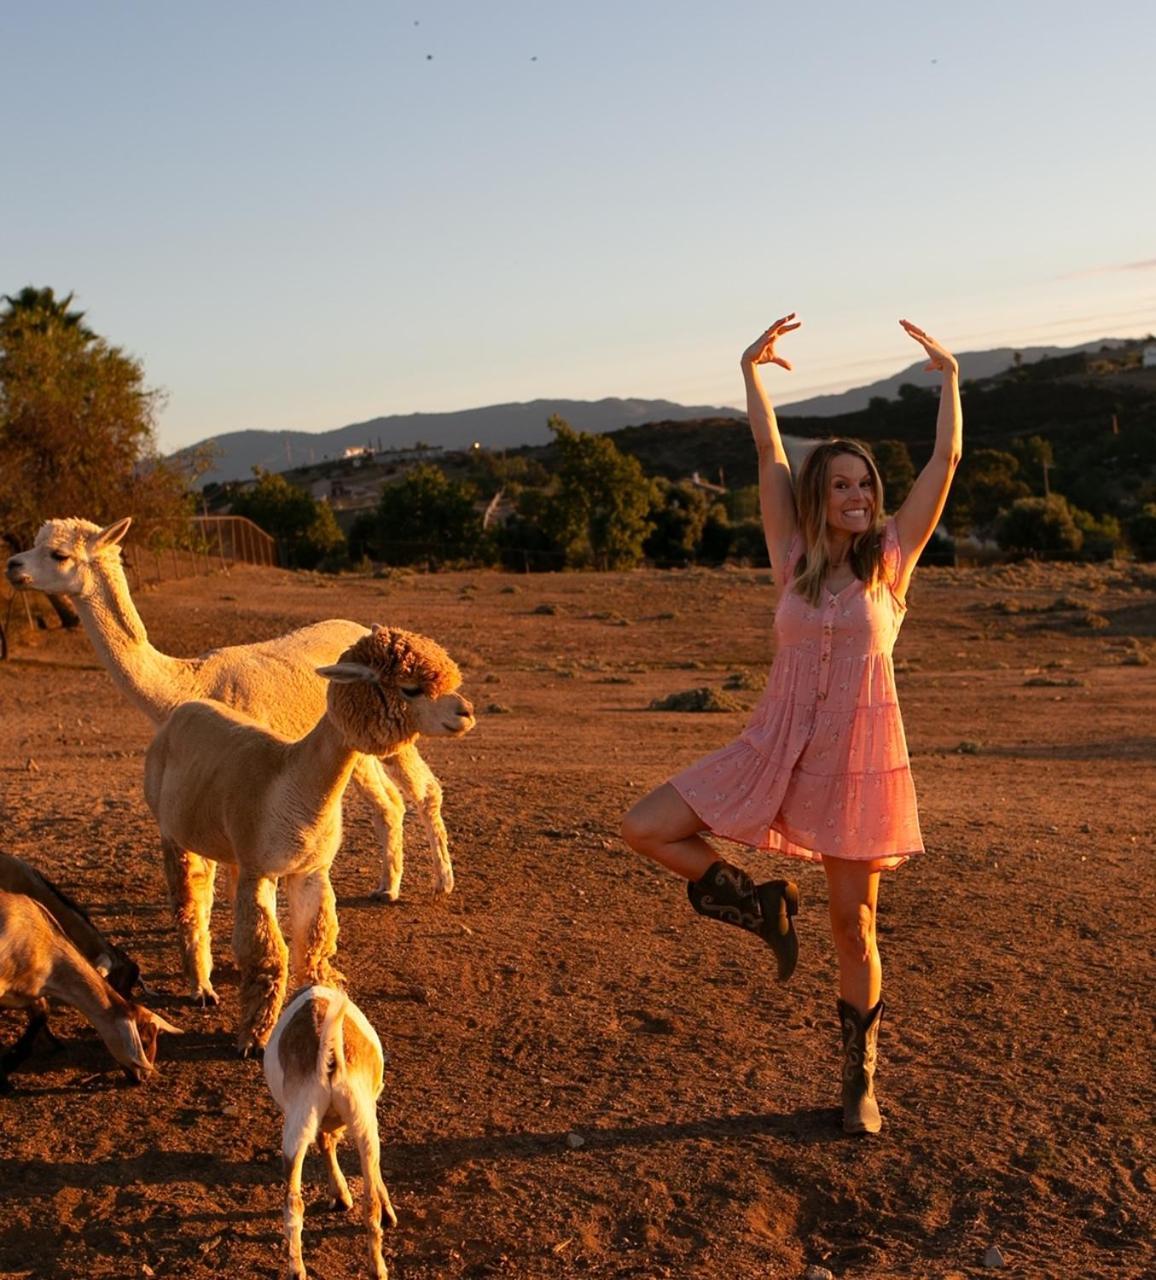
x=123 y=973
x=274 y=681
x=37 y=961
x=236 y=792
x=325 y=1069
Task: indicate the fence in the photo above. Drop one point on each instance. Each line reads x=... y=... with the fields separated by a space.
x=214 y=543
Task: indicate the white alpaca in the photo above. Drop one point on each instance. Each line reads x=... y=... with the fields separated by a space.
x=274 y=681
x=225 y=786
x=38 y=962
x=325 y=1069
x=17 y=876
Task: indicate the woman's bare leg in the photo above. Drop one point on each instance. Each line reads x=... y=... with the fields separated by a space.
x=664 y=828
x=853 y=892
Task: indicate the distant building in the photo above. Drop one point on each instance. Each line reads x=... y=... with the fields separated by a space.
x=1150 y=356
x=706 y=486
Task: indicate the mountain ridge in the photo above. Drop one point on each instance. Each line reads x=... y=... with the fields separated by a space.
x=516 y=424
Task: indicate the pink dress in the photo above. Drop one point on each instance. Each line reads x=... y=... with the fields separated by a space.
x=821 y=770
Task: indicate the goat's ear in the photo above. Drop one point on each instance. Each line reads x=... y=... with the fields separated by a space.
x=161 y=1024
x=349 y=673
x=110 y=536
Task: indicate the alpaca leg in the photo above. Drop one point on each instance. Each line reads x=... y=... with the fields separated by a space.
x=418 y=784
x=293 y=1149
x=313 y=929
x=190 y=884
x=327 y=1140
x=388 y=822
x=262 y=959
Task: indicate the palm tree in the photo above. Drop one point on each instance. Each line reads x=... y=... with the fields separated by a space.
x=37 y=310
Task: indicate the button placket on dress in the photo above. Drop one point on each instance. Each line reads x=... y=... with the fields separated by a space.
x=825 y=647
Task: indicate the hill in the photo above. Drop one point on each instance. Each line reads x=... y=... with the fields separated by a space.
x=500 y=426
x=1097 y=410
x=516 y=425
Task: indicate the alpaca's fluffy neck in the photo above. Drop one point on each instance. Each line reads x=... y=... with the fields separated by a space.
x=320 y=765
x=152 y=681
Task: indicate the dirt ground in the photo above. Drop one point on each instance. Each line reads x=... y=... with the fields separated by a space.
x=584 y=1077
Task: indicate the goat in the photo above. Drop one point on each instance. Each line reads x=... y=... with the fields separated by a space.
x=325 y=1068
x=17 y=876
x=37 y=961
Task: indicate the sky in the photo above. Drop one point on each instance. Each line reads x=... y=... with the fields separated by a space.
x=304 y=215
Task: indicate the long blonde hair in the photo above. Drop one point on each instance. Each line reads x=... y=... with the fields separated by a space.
x=866 y=555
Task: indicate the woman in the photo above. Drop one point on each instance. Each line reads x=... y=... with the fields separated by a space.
x=821 y=771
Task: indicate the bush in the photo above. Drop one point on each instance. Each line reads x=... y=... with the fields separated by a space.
x=1103 y=538
x=1141 y=530
x=307 y=530
x=1043 y=525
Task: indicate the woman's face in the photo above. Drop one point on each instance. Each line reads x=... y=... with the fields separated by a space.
x=850 y=495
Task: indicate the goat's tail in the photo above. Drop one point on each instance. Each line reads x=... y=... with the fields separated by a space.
x=331 y=1049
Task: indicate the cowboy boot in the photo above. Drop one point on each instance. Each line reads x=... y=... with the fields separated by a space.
x=726 y=893
x=860 y=1042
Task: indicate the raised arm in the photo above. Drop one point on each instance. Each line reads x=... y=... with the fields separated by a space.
x=916 y=519
x=776 y=496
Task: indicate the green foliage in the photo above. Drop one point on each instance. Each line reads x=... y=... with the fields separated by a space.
x=428 y=517
x=1044 y=525
x=678 y=514
x=749 y=544
x=598 y=515
x=307 y=530
x=77 y=424
x=1141 y=530
x=1103 y=537
x=742 y=504
x=1035 y=456
x=986 y=484
x=895 y=469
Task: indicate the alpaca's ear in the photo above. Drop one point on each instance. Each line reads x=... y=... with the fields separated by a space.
x=112 y=535
x=348 y=673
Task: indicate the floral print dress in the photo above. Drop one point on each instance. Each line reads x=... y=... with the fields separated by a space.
x=821 y=770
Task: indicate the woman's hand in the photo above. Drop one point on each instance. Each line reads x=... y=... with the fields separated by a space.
x=762 y=350
x=941 y=360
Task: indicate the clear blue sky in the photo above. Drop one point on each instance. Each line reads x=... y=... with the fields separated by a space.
x=305 y=215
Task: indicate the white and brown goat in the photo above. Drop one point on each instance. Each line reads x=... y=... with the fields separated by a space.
x=325 y=1069
x=18 y=876
x=225 y=788
x=38 y=963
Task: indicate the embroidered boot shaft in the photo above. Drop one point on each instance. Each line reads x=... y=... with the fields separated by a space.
x=860 y=1044
x=725 y=892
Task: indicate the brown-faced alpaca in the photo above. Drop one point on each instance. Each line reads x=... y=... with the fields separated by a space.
x=275 y=682
x=222 y=785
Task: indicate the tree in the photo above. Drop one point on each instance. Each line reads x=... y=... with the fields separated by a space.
x=77 y=423
x=1141 y=530
x=895 y=469
x=598 y=513
x=678 y=513
x=1039 y=524
x=1035 y=456
x=987 y=483
x=306 y=529
x=428 y=515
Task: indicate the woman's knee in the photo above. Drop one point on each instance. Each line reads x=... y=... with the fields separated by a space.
x=638 y=828
x=854 y=931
